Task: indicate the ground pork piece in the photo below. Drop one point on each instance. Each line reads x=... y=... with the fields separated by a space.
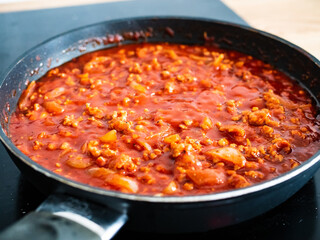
x=237 y=132
x=281 y=144
x=238 y=181
x=94 y=111
x=119 y=121
x=123 y=162
x=259 y=118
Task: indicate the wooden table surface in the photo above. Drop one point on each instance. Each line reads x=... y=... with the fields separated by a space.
x=297 y=21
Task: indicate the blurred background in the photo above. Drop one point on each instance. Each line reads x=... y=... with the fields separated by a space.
x=295 y=20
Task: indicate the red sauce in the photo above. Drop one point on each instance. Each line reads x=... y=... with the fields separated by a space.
x=165 y=119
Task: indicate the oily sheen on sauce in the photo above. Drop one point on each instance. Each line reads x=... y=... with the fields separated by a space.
x=166 y=119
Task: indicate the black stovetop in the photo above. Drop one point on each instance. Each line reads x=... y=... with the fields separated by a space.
x=297 y=218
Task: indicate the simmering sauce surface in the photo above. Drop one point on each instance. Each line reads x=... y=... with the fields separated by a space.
x=166 y=119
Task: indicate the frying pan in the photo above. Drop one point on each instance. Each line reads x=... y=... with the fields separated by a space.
x=78 y=211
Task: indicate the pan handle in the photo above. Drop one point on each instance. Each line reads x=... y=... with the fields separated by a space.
x=62 y=217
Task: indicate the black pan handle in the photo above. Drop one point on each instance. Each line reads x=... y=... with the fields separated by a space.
x=63 y=217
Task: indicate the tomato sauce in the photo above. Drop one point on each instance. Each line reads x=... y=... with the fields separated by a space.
x=166 y=119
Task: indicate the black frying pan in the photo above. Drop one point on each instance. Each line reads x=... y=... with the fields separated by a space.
x=76 y=210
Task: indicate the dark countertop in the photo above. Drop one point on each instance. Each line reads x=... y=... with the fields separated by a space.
x=297 y=218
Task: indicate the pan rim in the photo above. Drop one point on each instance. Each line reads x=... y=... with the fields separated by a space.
x=226 y=195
